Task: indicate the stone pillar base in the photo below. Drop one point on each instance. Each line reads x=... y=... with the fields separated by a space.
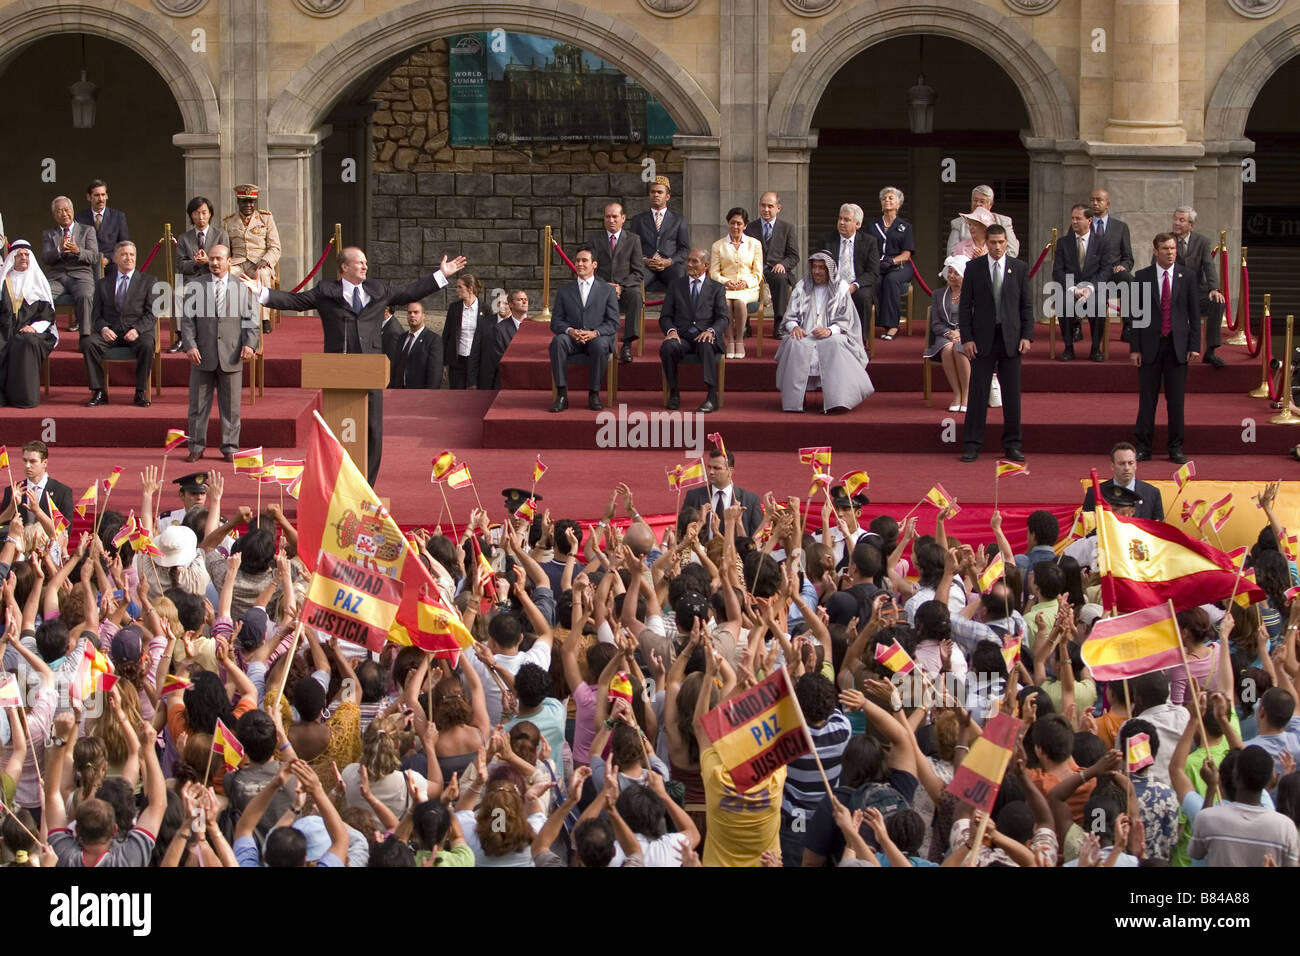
x=293 y=191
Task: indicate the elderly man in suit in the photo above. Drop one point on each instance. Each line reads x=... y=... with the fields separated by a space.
x=70 y=257
x=584 y=319
x=416 y=357
x=124 y=315
x=857 y=259
x=1076 y=270
x=996 y=317
x=664 y=238
x=780 y=254
x=351 y=311
x=620 y=263
x=1194 y=253
x=694 y=319
x=1164 y=336
x=981 y=197
x=109 y=224
x=219 y=331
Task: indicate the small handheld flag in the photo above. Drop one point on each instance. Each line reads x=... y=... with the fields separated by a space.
x=87 y=499
x=979 y=777
x=992 y=573
x=539 y=469
x=9 y=695
x=854 y=482
x=1139 y=752
x=459 y=476
x=4 y=457
x=716 y=439
x=692 y=475
x=1217 y=512
x=815 y=455
x=820 y=480
x=124 y=535
x=1011 y=652
x=174 y=439
x=1132 y=644
x=175 y=683
x=111 y=481
x=227 y=745
x=1185 y=474
x=895 y=658
x=1191 y=509
x=940 y=498
x=248 y=461
x=1007 y=469
x=528 y=510
x=621 y=687
x=442 y=466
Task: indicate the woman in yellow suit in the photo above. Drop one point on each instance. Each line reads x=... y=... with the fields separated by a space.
x=736 y=261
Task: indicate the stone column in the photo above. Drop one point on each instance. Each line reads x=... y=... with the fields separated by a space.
x=743 y=73
x=701 y=191
x=203 y=169
x=1049 y=204
x=244 y=32
x=1144 y=90
x=788 y=159
x=293 y=179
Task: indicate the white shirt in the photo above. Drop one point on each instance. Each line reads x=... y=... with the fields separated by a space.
x=584 y=288
x=995 y=265
x=1160 y=279
x=728 y=498
x=613 y=237
x=468 y=323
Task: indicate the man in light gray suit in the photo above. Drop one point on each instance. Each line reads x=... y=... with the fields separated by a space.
x=584 y=319
x=220 y=325
x=70 y=259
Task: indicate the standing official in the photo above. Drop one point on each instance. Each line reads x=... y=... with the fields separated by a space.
x=416 y=357
x=219 y=332
x=1076 y=269
x=620 y=263
x=254 y=240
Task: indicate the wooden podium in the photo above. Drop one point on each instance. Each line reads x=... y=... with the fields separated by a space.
x=345 y=381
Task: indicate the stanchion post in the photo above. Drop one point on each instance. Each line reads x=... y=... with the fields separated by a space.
x=545 y=314
x=1261 y=391
x=174 y=307
x=1052 y=319
x=1286 y=417
x=1243 y=316
x=338 y=244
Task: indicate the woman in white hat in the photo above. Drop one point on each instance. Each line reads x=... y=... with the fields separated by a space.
x=945 y=334
x=180 y=564
x=978 y=220
x=27 y=332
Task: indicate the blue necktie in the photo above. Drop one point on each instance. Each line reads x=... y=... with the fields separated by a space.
x=356 y=299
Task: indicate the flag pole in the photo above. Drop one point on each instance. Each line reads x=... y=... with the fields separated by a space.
x=910 y=513
x=451 y=515
x=208 y=771
x=162 y=483
x=996 y=479
x=288 y=661
x=807 y=733
x=1099 y=505
x=1241 y=569
x=1191 y=683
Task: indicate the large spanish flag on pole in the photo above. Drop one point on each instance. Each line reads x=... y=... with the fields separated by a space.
x=1132 y=644
x=339 y=514
x=758 y=732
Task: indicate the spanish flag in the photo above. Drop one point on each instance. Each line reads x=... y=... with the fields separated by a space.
x=1011 y=652
x=338 y=514
x=528 y=510
x=1244 y=590
x=716 y=439
x=938 y=497
x=854 y=481
x=621 y=687
x=352 y=602
x=674 y=477
x=442 y=465
x=174 y=439
x=993 y=573
x=895 y=658
x=248 y=461
x=979 y=777
x=820 y=480
x=174 y=683
x=140 y=541
x=9 y=695
x=93 y=664
x=1007 y=469
x=459 y=476
x=4 y=456
x=692 y=475
x=439 y=628
x=1217 y=513
x=485 y=575
x=88 y=498
x=1139 y=752
x=538 y=470
x=1191 y=511
x=1185 y=474
x=758 y=732
x=225 y=743
x=1132 y=644
x=111 y=481
x=286 y=470
x=294 y=487
x=124 y=535
x=815 y=455
x=60 y=522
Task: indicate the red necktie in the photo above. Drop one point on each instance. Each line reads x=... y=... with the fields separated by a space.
x=1166 y=308
x=613 y=241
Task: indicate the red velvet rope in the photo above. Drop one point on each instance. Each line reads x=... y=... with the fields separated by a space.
x=920 y=281
x=1266 y=333
x=316 y=268
x=567 y=261
x=1252 y=348
x=156 y=246
x=1041 y=256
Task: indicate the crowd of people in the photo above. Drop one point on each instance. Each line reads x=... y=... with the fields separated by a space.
x=164 y=706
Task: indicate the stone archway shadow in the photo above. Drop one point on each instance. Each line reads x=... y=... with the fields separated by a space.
x=1052 y=111
x=1245 y=75
x=138 y=29
x=314 y=88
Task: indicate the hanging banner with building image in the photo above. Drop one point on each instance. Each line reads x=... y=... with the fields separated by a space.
x=509 y=89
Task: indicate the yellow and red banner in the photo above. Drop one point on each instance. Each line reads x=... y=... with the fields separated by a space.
x=758 y=732
x=248 y=461
x=227 y=745
x=816 y=455
x=997 y=567
x=351 y=602
x=979 y=777
x=1133 y=644
x=854 y=482
x=442 y=466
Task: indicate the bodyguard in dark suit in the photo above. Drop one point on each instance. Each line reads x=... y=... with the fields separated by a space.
x=1164 y=335
x=1117 y=250
x=124 y=315
x=1194 y=253
x=220 y=324
x=351 y=313
x=503 y=333
x=1078 y=282
x=584 y=319
x=1123 y=466
x=464 y=359
x=664 y=238
x=416 y=358
x=780 y=252
x=996 y=329
x=70 y=260
x=721 y=493
x=619 y=262
x=694 y=320
x=36 y=461
x=110 y=224
x=863 y=259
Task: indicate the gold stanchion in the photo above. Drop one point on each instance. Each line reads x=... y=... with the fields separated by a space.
x=1242 y=316
x=1052 y=320
x=545 y=314
x=338 y=244
x=1261 y=391
x=1286 y=417
x=1222 y=249
x=169 y=262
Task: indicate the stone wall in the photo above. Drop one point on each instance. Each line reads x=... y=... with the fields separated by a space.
x=488 y=204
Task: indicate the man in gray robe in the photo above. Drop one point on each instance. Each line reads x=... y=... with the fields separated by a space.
x=822 y=346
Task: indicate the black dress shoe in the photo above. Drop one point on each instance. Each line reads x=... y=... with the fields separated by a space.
x=97 y=398
x=1067 y=356
x=594 y=402
x=625 y=354
x=1144 y=456
x=674 y=402
x=1096 y=356
x=706 y=406
x=1013 y=454
x=970 y=454
x=1078 y=333
x=193 y=456
x=560 y=404
x=142 y=400
x=177 y=347
x=1178 y=458
x=1212 y=359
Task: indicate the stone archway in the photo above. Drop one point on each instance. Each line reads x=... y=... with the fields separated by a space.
x=1241 y=80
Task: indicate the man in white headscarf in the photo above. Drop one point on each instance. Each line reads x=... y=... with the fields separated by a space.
x=823 y=342
x=27 y=330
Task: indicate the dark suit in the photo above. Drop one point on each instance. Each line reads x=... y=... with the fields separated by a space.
x=1067 y=272
x=625 y=269
x=137 y=312
x=866 y=269
x=1117 y=250
x=671 y=240
x=1164 y=357
x=600 y=314
x=187 y=244
x=22 y=353
x=416 y=364
x=783 y=249
x=502 y=335
x=709 y=313
x=750 y=520
x=72 y=273
x=345 y=330
x=112 y=230
x=1200 y=263
x=466 y=370
x=60 y=492
x=220 y=335
x=1151 y=509
x=996 y=329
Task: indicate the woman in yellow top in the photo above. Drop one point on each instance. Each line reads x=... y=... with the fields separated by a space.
x=737 y=262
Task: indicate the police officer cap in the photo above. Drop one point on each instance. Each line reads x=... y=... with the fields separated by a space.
x=1121 y=497
x=194 y=484
x=841 y=500
x=515 y=497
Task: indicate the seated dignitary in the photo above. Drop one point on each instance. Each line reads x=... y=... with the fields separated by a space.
x=123 y=316
x=694 y=322
x=584 y=319
x=70 y=254
x=856 y=256
x=823 y=343
x=945 y=332
x=27 y=330
x=664 y=239
x=982 y=197
x=736 y=261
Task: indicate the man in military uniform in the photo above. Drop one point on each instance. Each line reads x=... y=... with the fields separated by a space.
x=194 y=494
x=254 y=242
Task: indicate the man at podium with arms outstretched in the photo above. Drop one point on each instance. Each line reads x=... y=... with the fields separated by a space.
x=351 y=313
